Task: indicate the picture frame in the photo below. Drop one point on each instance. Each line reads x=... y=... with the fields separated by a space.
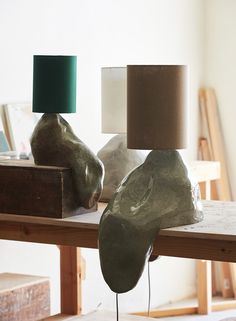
x=4 y=145
x=20 y=122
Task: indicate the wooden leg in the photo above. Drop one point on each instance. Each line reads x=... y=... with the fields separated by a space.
x=70 y=262
x=204 y=286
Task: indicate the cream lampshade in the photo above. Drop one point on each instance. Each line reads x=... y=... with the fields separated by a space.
x=114 y=100
x=157 y=194
x=117 y=159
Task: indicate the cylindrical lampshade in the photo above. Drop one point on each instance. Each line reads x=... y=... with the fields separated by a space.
x=54 y=84
x=156 y=106
x=114 y=100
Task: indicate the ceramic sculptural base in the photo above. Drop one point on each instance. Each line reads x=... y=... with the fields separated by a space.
x=53 y=143
x=118 y=161
x=158 y=194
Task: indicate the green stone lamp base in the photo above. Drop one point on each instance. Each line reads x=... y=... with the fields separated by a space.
x=158 y=194
x=53 y=143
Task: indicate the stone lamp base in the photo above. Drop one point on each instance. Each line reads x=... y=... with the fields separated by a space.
x=53 y=143
x=158 y=194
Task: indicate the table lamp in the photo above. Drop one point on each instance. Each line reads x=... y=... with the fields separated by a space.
x=117 y=159
x=158 y=194
x=53 y=141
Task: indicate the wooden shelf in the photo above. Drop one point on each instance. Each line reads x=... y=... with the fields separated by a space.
x=97 y=316
x=188 y=307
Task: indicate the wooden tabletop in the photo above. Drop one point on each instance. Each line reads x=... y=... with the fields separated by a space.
x=214 y=238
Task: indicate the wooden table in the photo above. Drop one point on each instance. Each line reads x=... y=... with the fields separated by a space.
x=212 y=239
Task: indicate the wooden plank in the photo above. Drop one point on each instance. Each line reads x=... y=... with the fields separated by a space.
x=23 y=297
x=204 y=149
x=98 y=316
x=169 y=312
x=213 y=278
x=205 y=131
x=204 y=286
x=213 y=148
x=226 y=280
x=233 y=276
x=224 y=305
x=70 y=271
x=61 y=317
x=204 y=278
x=216 y=138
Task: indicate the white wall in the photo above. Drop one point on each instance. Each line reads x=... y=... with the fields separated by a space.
x=103 y=33
x=220 y=71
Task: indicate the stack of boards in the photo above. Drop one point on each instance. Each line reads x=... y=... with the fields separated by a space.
x=211 y=148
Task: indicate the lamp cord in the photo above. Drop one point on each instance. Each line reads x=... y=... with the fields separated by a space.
x=149 y=289
x=117 y=307
x=149 y=296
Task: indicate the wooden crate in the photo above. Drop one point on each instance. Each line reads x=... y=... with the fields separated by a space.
x=28 y=189
x=24 y=297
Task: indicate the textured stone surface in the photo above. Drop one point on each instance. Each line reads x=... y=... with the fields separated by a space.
x=157 y=194
x=118 y=162
x=54 y=143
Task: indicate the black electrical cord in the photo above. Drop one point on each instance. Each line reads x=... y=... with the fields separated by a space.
x=117 y=307
x=149 y=289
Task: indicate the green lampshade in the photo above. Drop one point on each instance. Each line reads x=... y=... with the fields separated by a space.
x=54 y=84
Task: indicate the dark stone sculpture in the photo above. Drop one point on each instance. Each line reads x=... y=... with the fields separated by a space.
x=54 y=143
x=158 y=194
x=118 y=161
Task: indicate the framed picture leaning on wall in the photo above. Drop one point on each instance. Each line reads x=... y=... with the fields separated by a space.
x=20 y=123
x=4 y=146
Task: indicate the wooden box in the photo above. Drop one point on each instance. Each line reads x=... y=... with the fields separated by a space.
x=24 y=297
x=28 y=189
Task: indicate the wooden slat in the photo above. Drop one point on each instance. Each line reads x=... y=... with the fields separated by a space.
x=212 y=148
x=205 y=131
x=233 y=276
x=204 y=149
x=226 y=280
x=70 y=268
x=204 y=286
x=216 y=140
x=61 y=317
x=98 y=316
x=213 y=278
x=170 y=312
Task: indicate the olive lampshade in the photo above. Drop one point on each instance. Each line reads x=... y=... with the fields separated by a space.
x=54 y=84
